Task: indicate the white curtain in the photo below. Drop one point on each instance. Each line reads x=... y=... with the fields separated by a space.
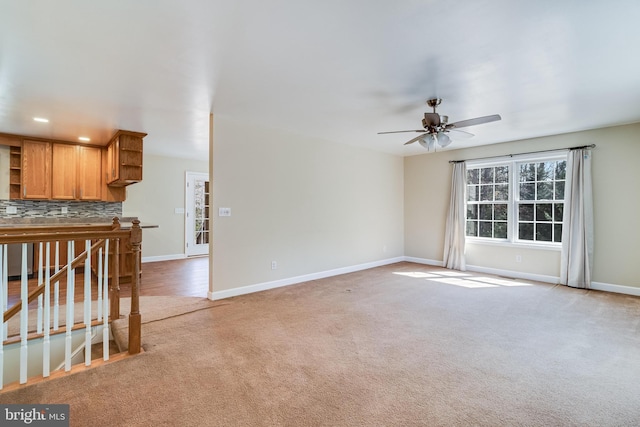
x=455 y=230
x=577 y=222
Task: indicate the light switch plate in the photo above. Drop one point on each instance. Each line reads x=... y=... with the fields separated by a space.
x=12 y=209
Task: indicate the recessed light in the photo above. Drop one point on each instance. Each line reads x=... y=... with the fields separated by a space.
x=84 y=138
x=41 y=120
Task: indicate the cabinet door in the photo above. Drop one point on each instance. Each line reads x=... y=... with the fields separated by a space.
x=90 y=173
x=113 y=158
x=36 y=170
x=64 y=182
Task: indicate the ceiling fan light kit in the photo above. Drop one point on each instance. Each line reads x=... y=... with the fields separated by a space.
x=436 y=127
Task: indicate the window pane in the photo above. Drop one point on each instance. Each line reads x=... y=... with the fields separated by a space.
x=472 y=211
x=528 y=191
x=546 y=171
x=525 y=231
x=561 y=169
x=502 y=191
x=472 y=228
x=527 y=172
x=557 y=233
x=486 y=176
x=486 y=212
x=472 y=176
x=559 y=190
x=543 y=232
x=500 y=230
x=500 y=212
x=557 y=212
x=525 y=212
x=544 y=212
x=545 y=191
x=502 y=174
x=486 y=193
x=472 y=193
x=486 y=229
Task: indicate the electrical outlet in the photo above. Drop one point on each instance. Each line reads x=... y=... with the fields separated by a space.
x=518 y=258
x=64 y=210
x=224 y=211
x=12 y=209
x=274 y=265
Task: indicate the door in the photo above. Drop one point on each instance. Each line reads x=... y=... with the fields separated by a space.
x=63 y=180
x=90 y=173
x=197 y=229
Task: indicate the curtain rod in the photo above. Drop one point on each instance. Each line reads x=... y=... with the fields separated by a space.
x=522 y=154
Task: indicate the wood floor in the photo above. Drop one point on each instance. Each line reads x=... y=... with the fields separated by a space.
x=184 y=277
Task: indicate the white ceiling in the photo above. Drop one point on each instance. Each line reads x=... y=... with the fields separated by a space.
x=340 y=70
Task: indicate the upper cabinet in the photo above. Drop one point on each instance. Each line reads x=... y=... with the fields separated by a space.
x=76 y=172
x=36 y=169
x=124 y=158
x=61 y=170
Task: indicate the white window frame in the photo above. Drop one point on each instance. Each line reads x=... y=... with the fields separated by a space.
x=512 y=219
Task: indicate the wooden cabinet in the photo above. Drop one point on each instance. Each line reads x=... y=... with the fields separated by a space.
x=124 y=158
x=36 y=169
x=76 y=172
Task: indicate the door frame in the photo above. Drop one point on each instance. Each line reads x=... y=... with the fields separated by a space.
x=189 y=212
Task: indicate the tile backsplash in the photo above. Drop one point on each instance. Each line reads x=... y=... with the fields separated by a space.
x=55 y=208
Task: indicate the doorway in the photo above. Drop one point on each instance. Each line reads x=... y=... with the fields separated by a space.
x=197 y=227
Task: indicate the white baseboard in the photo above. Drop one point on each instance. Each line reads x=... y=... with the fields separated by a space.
x=619 y=289
x=163 y=258
x=228 y=293
x=514 y=274
x=424 y=261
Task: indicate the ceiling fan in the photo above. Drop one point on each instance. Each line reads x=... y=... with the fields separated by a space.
x=436 y=127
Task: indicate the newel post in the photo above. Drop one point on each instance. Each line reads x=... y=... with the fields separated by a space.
x=134 y=316
x=114 y=291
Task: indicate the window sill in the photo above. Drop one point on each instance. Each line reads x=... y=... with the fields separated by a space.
x=539 y=246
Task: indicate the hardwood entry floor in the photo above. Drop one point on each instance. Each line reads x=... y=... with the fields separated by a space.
x=184 y=277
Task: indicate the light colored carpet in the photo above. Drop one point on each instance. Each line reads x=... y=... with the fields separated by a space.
x=400 y=345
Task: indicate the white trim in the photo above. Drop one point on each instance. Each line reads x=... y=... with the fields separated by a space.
x=228 y=293
x=515 y=274
x=619 y=289
x=163 y=258
x=424 y=261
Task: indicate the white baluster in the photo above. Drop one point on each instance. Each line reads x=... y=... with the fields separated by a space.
x=56 y=291
x=2 y=299
x=70 y=291
x=87 y=304
x=105 y=302
x=39 y=324
x=24 y=316
x=46 y=344
x=99 y=284
x=5 y=286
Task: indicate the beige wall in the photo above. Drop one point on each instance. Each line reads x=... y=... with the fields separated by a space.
x=616 y=183
x=309 y=205
x=154 y=201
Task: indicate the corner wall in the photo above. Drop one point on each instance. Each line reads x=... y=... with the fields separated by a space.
x=308 y=205
x=616 y=180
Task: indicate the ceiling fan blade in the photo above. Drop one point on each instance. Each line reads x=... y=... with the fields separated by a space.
x=476 y=121
x=462 y=134
x=401 y=131
x=411 y=141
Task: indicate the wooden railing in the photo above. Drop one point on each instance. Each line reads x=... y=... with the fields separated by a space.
x=101 y=258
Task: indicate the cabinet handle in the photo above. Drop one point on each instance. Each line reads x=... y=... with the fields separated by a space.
x=24 y=191
x=81 y=193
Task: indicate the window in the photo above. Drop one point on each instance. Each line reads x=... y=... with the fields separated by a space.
x=517 y=201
